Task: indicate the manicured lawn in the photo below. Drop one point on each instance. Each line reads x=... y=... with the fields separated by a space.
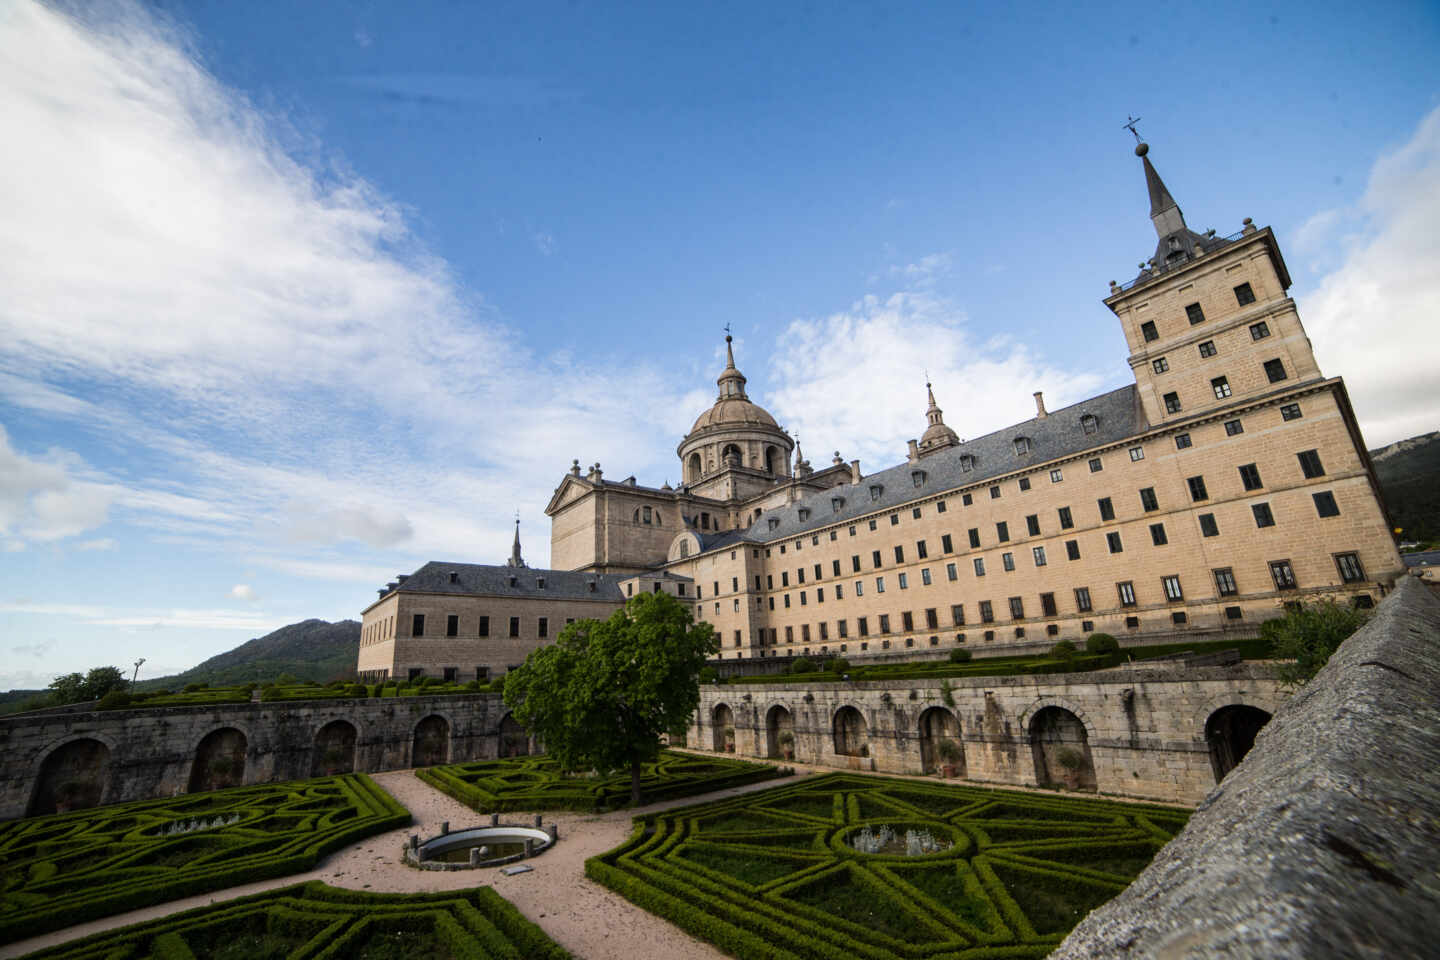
x=63 y=869
x=314 y=921
x=538 y=783
x=776 y=873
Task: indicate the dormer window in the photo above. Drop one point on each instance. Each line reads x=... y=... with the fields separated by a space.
x=1022 y=446
x=836 y=504
x=539 y=583
x=917 y=477
x=774 y=522
x=512 y=581
x=967 y=463
x=875 y=491
x=804 y=513
x=1089 y=423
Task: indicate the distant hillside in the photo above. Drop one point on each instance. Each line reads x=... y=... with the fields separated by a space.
x=1409 y=474
x=309 y=650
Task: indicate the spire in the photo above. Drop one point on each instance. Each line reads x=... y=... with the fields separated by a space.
x=515 y=559
x=731 y=381
x=936 y=434
x=1164 y=211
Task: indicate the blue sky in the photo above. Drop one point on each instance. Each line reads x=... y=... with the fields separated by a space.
x=299 y=296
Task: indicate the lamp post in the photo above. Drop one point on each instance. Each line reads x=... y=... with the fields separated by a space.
x=136 y=675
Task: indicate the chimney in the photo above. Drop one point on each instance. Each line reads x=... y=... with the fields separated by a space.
x=401 y=577
x=914 y=449
x=855 y=471
x=1040 y=413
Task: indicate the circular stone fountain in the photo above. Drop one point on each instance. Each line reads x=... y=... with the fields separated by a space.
x=492 y=846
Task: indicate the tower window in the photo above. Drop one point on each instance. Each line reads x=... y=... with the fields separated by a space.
x=1325 y=504
x=452 y=626
x=1039 y=555
x=1208 y=526
x=987 y=612
x=1291 y=411
x=1032 y=525
x=1349 y=566
x=1310 y=464
x=1244 y=295
x=1024 y=483
x=1082 y=599
x=1263 y=516
x=974 y=534
x=1148 y=499
x=1126 y=591
x=1172 y=588
x=1283 y=574
x=1137 y=454
x=1072 y=549
x=1160 y=364
x=979 y=566
x=1221 y=386
x=1007 y=560
x=1148 y=331
x=1107 y=509
x=1225 y=582
x=1250 y=477
x=1157 y=534
x=1234 y=428
x=1194 y=313
x=1096 y=465
x=1172 y=403
x=1112 y=540
x=1182 y=441
x=1002 y=531
x=417 y=625
x=1275 y=370
x=1259 y=331
x=1197 y=489
x=1207 y=348
x=1066 y=520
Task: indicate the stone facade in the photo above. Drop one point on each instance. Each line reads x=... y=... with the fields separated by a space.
x=122 y=755
x=1145 y=732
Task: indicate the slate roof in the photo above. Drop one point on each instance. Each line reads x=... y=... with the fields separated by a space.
x=1055 y=436
x=494 y=580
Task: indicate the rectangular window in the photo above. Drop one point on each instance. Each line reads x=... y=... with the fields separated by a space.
x=784 y=580
x=842 y=628
x=899 y=554
x=957 y=613
x=1148 y=500
x=855 y=562
x=484 y=627
x=1072 y=549
x=932 y=619
x=1275 y=370
x=987 y=612
x=800 y=575
x=1157 y=534
x=1032 y=525
x=1221 y=386
x=735 y=583
x=1148 y=331
x=904 y=581
x=1017 y=608
x=790 y=634
x=544 y=626
x=1024 y=483
x=1197 y=489
x=940 y=506
x=1194 y=314
x=966 y=499
x=819 y=595
x=1039 y=554
x=1126 y=592
x=1107 y=509
x=925 y=576
x=787 y=601
x=1007 y=560
x=875 y=559
x=1325 y=504
x=1172 y=403
x=1160 y=364
x=804 y=633
x=995 y=492
x=859 y=588
x=417 y=625
x=1002 y=531
x=974 y=538
x=1250 y=477
x=950 y=572
x=452 y=626
x=1291 y=411
x=872 y=526
x=819 y=572
x=894 y=519
x=879 y=584
x=1182 y=441
x=947 y=545
x=1082 y=599
x=1259 y=331
x=1310 y=464
x=921 y=552
x=1112 y=539
x=862 y=624
x=1225 y=582
x=834 y=569
x=1096 y=465
x=1208 y=526
x=1172 y=588
x=1207 y=348
x=514 y=626
x=1066 y=521
x=1233 y=428
x=839 y=591
x=979 y=566
x=884 y=623
x=1283 y=574
x=1263 y=516
x=915 y=512
x=1056 y=475
x=1349 y=566
x=1047 y=604
x=1137 y=454
x=1244 y=295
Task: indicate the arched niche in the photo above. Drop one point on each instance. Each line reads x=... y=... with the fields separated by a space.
x=514 y=739
x=851 y=733
x=430 y=746
x=722 y=720
x=74 y=776
x=1230 y=733
x=334 y=749
x=694 y=468
x=779 y=733
x=773 y=460
x=219 y=760
x=937 y=726
x=1061 y=749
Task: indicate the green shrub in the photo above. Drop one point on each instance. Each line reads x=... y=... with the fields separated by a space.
x=960 y=655
x=802 y=665
x=1063 y=650
x=837 y=665
x=115 y=700
x=1307 y=635
x=1101 y=643
x=708 y=675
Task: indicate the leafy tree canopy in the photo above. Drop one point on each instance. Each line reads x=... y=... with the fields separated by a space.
x=604 y=692
x=73 y=688
x=1307 y=635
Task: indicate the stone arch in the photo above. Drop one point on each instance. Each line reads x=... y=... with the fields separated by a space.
x=1231 y=698
x=73 y=776
x=219 y=760
x=1230 y=733
x=773 y=459
x=732 y=450
x=514 y=739
x=722 y=722
x=430 y=745
x=937 y=725
x=851 y=733
x=334 y=749
x=694 y=467
x=779 y=720
x=1061 y=747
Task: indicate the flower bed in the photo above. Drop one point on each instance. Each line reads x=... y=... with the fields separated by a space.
x=56 y=871
x=787 y=873
x=538 y=783
x=318 y=922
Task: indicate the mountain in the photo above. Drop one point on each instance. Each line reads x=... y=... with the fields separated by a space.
x=309 y=650
x=1409 y=472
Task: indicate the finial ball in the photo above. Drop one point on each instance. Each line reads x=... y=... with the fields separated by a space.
x=727 y=338
x=1141 y=149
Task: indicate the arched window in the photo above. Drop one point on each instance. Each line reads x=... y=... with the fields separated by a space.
x=696 y=469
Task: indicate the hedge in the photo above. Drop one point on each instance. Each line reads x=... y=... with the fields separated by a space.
x=321 y=922
x=770 y=874
x=538 y=783
x=64 y=869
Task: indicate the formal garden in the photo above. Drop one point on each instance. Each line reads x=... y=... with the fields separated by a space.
x=843 y=866
x=67 y=868
x=540 y=783
x=318 y=922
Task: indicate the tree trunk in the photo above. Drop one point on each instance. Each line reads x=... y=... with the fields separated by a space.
x=635 y=782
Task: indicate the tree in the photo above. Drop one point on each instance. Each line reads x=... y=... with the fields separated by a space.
x=73 y=688
x=1306 y=637
x=604 y=692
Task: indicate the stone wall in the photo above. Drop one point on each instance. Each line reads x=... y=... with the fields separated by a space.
x=1140 y=732
x=79 y=759
x=1324 y=841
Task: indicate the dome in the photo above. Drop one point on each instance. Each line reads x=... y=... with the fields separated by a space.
x=938 y=433
x=736 y=412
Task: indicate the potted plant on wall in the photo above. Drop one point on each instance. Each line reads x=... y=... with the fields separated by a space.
x=950 y=755
x=729 y=739
x=1069 y=760
x=786 y=740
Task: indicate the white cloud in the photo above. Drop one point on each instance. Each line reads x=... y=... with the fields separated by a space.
x=40 y=501
x=38 y=649
x=243 y=591
x=856 y=379
x=100 y=615
x=1373 y=318
x=104 y=543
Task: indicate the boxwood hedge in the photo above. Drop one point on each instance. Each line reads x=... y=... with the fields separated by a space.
x=59 y=870
x=774 y=874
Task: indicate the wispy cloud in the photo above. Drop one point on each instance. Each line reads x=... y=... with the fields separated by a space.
x=104 y=616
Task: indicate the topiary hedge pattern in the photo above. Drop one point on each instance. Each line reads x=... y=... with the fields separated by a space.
x=317 y=922
x=774 y=874
x=538 y=783
x=60 y=870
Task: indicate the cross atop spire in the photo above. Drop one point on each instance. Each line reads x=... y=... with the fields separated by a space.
x=515 y=559
x=731 y=381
